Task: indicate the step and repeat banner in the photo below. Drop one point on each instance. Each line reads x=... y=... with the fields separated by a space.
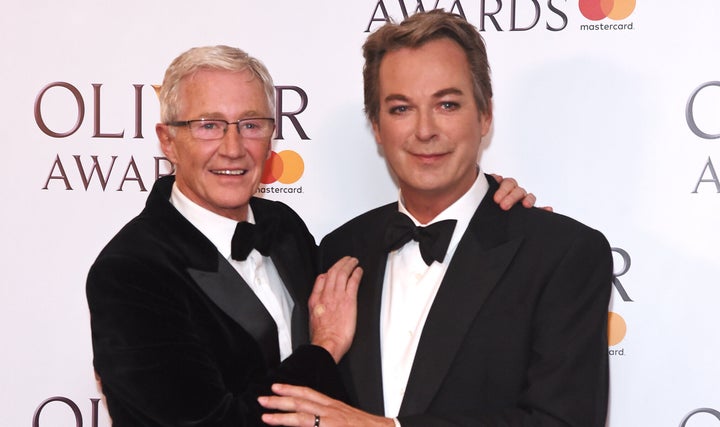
x=608 y=110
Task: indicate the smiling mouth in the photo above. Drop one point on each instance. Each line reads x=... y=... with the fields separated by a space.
x=231 y=172
x=429 y=156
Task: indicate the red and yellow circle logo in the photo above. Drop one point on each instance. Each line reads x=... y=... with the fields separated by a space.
x=616 y=10
x=285 y=167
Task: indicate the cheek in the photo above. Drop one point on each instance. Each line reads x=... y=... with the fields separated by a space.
x=260 y=152
x=392 y=136
x=393 y=130
x=471 y=129
x=193 y=156
x=188 y=155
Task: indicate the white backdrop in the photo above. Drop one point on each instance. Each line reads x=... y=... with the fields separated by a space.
x=597 y=122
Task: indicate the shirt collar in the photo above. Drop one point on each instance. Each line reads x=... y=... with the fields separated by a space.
x=217 y=228
x=461 y=210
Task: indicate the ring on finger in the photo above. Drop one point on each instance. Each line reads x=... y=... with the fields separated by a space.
x=317 y=421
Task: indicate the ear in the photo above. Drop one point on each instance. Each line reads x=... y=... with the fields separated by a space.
x=376 y=132
x=486 y=119
x=167 y=142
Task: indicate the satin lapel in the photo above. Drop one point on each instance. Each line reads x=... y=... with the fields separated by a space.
x=227 y=289
x=479 y=262
x=364 y=356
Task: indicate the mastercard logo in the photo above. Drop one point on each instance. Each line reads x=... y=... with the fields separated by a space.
x=596 y=10
x=617 y=328
x=285 y=167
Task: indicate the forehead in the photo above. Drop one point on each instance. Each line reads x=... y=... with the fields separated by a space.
x=437 y=63
x=222 y=92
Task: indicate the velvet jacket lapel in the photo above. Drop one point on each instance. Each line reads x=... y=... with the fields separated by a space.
x=212 y=273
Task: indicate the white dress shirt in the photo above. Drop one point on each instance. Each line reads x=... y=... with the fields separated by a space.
x=409 y=289
x=257 y=270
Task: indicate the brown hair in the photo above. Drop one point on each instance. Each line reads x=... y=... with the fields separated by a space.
x=415 y=31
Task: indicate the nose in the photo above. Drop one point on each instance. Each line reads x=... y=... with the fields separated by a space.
x=232 y=144
x=426 y=126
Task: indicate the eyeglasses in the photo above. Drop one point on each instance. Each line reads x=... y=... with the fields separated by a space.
x=210 y=129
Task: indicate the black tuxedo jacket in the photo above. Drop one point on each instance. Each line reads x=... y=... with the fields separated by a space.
x=517 y=334
x=179 y=338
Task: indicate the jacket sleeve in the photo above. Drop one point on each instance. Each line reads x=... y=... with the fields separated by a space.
x=153 y=355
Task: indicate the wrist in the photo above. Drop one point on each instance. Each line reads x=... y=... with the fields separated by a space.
x=330 y=347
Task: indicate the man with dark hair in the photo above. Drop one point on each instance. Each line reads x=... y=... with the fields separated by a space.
x=468 y=315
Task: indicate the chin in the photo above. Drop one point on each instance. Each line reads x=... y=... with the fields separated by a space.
x=235 y=202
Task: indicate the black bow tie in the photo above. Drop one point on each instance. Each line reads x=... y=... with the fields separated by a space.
x=248 y=236
x=433 y=239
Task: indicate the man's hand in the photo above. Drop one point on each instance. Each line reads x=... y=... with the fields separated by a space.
x=301 y=405
x=333 y=307
x=511 y=193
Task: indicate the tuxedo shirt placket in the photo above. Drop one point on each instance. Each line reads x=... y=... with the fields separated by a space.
x=276 y=299
x=405 y=308
x=409 y=289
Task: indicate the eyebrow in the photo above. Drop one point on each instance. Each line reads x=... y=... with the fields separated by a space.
x=448 y=91
x=245 y=115
x=438 y=94
x=395 y=97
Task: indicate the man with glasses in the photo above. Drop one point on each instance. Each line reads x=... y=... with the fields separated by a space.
x=199 y=303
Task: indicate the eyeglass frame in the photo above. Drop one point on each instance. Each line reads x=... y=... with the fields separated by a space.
x=237 y=123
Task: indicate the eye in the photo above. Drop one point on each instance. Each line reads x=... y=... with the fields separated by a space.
x=449 y=105
x=210 y=125
x=250 y=125
x=398 y=109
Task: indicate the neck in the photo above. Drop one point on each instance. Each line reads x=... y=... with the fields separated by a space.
x=425 y=205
